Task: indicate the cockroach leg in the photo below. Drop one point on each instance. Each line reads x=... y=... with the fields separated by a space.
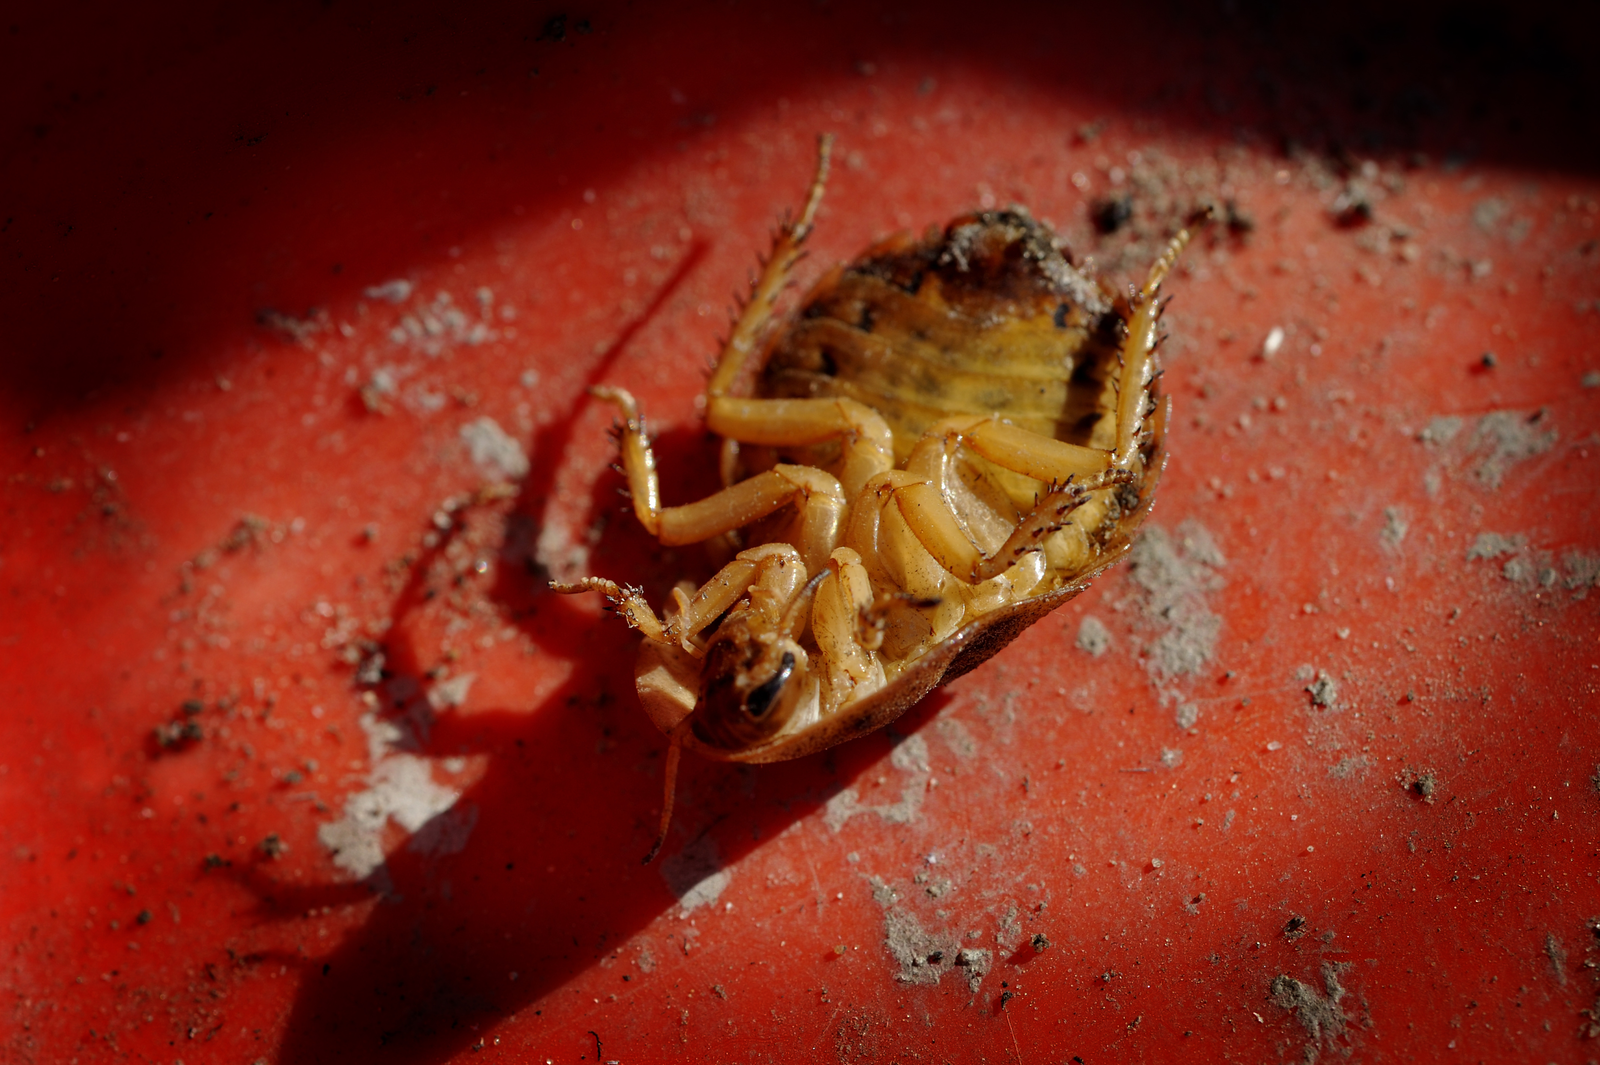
x=774 y=276
x=629 y=602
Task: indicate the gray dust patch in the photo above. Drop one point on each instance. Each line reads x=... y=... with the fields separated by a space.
x=1176 y=571
x=1394 y=528
x=494 y=451
x=1093 y=636
x=1558 y=957
x=1533 y=569
x=400 y=788
x=1493 y=545
x=1321 y=1016
x=956 y=737
x=1348 y=766
x=923 y=956
x=1505 y=438
x=1583 y=573
x=910 y=755
x=1441 y=430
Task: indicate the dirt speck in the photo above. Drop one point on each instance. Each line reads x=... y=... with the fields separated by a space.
x=1420 y=782
x=1093 y=636
x=1176 y=571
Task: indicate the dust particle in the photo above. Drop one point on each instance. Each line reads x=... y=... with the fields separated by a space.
x=1176 y=571
x=976 y=963
x=1440 y=430
x=1324 y=692
x=1187 y=715
x=956 y=737
x=1591 y=379
x=1420 y=782
x=1394 y=528
x=1321 y=1016
x=493 y=450
x=1583 y=573
x=1348 y=767
x=1093 y=636
x=1558 y=957
x=1493 y=545
x=923 y=956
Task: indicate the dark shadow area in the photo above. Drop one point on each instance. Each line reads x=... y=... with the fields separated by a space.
x=169 y=176
x=549 y=881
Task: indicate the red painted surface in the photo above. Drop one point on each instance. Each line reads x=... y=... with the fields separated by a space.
x=200 y=506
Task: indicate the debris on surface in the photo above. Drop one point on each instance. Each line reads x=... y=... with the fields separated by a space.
x=1176 y=572
x=1505 y=438
x=1321 y=1015
x=1394 y=528
x=1493 y=545
x=923 y=956
x=1441 y=430
x=400 y=788
x=1420 y=782
x=396 y=291
x=1093 y=636
x=910 y=755
x=452 y=693
x=1324 y=691
x=494 y=451
x=976 y=963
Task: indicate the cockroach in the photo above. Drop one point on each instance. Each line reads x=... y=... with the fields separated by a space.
x=947 y=440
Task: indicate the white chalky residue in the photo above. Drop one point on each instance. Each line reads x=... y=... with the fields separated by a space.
x=494 y=450
x=1274 y=341
x=400 y=788
x=449 y=694
x=397 y=291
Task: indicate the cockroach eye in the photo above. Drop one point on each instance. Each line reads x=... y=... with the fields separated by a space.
x=759 y=701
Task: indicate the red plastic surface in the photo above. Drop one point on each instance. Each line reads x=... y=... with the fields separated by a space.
x=1328 y=785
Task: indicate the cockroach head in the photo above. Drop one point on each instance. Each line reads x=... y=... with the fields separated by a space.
x=751 y=684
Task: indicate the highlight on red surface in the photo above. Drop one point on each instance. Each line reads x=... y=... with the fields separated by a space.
x=301 y=762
